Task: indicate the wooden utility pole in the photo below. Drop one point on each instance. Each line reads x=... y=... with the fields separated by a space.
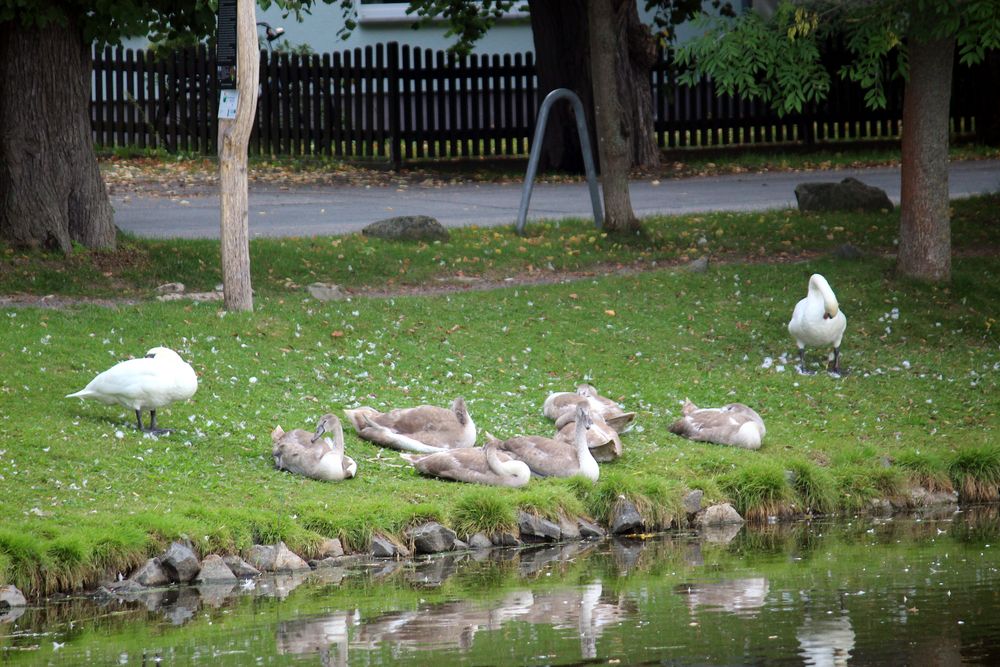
x=234 y=137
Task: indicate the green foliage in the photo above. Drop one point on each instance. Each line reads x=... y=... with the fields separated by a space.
x=166 y=22
x=776 y=59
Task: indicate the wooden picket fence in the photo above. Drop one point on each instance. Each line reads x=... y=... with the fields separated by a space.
x=397 y=103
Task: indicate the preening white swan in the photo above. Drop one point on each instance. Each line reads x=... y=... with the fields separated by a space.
x=548 y=457
x=477 y=465
x=157 y=380
x=734 y=424
x=423 y=429
x=817 y=321
x=312 y=455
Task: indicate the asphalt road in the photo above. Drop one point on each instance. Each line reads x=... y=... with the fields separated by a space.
x=316 y=211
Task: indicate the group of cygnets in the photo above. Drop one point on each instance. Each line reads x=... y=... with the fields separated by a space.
x=440 y=442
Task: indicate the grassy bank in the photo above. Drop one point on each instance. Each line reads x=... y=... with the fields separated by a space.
x=84 y=494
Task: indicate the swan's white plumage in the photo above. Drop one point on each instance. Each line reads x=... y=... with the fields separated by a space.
x=817 y=320
x=809 y=326
x=154 y=381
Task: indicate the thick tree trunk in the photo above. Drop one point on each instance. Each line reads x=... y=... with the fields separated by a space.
x=611 y=140
x=636 y=57
x=234 y=137
x=925 y=224
x=562 y=58
x=51 y=191
x=559 y=28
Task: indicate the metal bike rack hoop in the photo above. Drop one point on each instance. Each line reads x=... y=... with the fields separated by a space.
x=536 y=149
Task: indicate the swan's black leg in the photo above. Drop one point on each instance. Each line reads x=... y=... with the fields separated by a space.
x=152 y=425
x=138 y=419
x=802 y=363
x=835 y=364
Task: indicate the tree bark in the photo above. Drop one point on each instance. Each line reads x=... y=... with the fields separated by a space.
x=562 y=58
x=234 y=137
x=636 y=57
x=925 y=224
x=51 y=190
x=559 y=29
x=612 y=142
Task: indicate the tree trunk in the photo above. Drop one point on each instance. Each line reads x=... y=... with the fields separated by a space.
x=559 y=28
x=234 y=137
x=925 y=224
x=636 y=57
x=562 y=59
x=51 y=191
x=611 y=140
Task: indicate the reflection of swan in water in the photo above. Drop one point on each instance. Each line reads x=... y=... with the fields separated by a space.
x=455 y=624
x=826 y=641
x=736 y=596
x=325 y=636
x=578 y=609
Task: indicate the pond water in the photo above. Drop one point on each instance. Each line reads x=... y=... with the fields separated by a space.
x=901 y=591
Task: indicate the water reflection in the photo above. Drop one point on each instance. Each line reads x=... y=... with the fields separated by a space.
x=915 y=590
x=735 y=596
x=826 y=641
x=325 y=636
x=585 y=611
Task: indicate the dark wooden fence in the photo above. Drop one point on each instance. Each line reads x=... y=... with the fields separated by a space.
x=395 y=103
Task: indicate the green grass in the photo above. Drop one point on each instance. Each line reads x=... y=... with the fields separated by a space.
x=280 y=266
x=85 y=496
x=975 y=472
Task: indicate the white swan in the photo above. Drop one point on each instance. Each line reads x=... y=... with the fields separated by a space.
x=734 y=424
x=817 y=321
x=477 y=465
x=548 y=457
x=157 y=380
x=424 y=429
x=304 y=453
x=559 y=407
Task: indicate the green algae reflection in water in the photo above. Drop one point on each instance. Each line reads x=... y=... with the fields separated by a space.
x=893 y=591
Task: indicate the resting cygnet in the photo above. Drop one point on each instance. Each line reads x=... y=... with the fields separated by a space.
x=734 y=424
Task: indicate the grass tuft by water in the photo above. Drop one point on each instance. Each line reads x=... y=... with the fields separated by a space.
x=975 y=472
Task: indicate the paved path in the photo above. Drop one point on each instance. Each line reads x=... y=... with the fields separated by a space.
x=313 y=211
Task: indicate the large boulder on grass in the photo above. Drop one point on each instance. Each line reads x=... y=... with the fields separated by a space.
x=407 y=228
x=848 y=195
